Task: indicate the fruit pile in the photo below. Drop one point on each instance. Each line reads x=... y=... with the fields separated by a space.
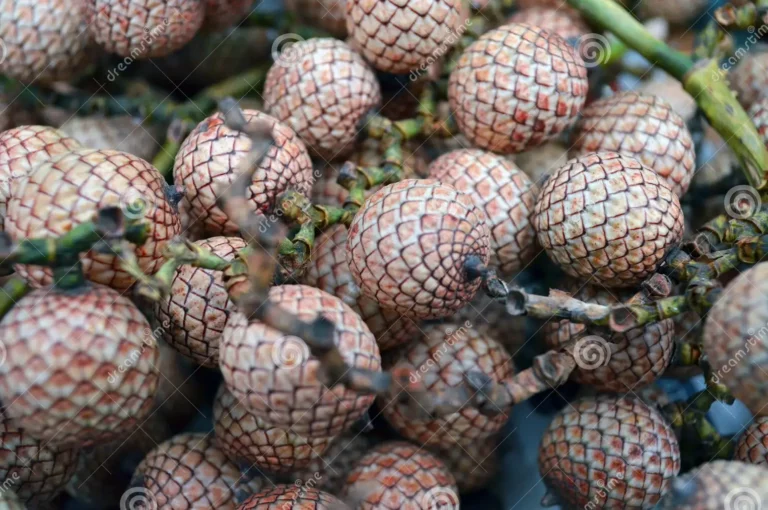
x=325 y=276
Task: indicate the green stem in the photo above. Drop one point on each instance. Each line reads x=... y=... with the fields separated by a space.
x=13 y=290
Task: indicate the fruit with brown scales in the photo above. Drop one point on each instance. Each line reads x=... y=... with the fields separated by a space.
x=753 y=444
x=281 y=497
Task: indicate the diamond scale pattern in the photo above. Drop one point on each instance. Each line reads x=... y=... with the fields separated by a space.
x=143 y=28
x=564 y=22
x=68 y=191
x=615 y=452
x=275 y=377
x=643 y=127
x=323 y=90
x=748 y=79
x=207 y=161
x=719 y=485
x=22 y=149
x=735 y=340
x=637 y=357
x=607 y=216
x=330 y=470
x=81 y=367
x=409 y=243
x=197 y=308
x=398 y=476
x=517 y=87
x=190 y=472
x=441 y=359
x=504 y=193
x=753 y=444
x=398 y=36
x=328 y=15
x=281 y=497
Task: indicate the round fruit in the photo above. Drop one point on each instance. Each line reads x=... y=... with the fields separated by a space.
x=462 y=350
x=734 y=331
x=608 y=217
x=672 y=91
x=36 y=471
x=221 y=14
x=719 y=485
x=81 y=365
x=622 y=363
x=143 y=28
x=197 y=308
x=247 y=438
x=403 y=37
x=473 y=468
x=282 y=497
x=274 y=375
x=748 y=78
x=643 y=127
x=327 y=15
x=517 y=87
x=123 y=133
x=189 y=471
x=24 y=148
x=328 y=271
x=678 y=12
x=323 y=90
x=409 y=245
x=504 y=193
x=330 y=470
x=401 y=476
x=609 y=451
x=69 y=191
x=208 y=160
x=753 y=445
x=567 y=24
x=43 y=40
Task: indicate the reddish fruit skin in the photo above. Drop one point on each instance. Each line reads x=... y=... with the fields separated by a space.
x=748 y=78
x=330 y=470
x=409 y=243
x=22 y=149
x=734 y=331
x=221 y=14
x=403 y=37
x=322 y=89
x=274 y=376
x=517 y=87
x=143 y=28
x=399 y=476
x=282 y=497
x=81 y=366
x=247 y=438
x=627 y=361
x=461 y=350
x=719 y=485
x=566 y=23
x=643 y=127
x=504 y=193
x=753 y=444
x=328 y=15
x=43 y=40
x=196 y=310
x=608 y=217
x=38 y=471
x=69 y=191
x=207 y=164
x=329 y=271
x=612 y=451
x=190 y=472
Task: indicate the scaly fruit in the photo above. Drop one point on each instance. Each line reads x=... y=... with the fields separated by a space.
x=462 y=351
x=37 y=472
x=678 y=12
x=43 y=40
x=734 y=330
x=197 y=307
x=323 y=90
x=473 y=468
x=189 y=471
x=748 y=78
x=753 y=445
x=517 y=87
x=409 y=246
x=221 y=14
x=672 y=91
x=607 y=218
x=143 y=28
x=81 y=368
x=208 y=160
x=248 y=439
x=282 y=497
x=122 y=133
x=622 y=362
x=23 y=149
x=63 y=193
x=610 y=452
x=400 y=476
x=329 y=271
x=327 y=15
x=330 y=470
x=719 y=485
x=642 y=127
x=504 y=193
x=566 y=23
x=404 y=37
x=274 y=375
